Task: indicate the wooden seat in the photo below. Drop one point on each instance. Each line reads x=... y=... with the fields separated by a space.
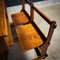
x=20 y=18
x=28 y=37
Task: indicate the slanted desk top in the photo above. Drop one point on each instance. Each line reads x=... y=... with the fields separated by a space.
x=3 y=23
x=6 y=39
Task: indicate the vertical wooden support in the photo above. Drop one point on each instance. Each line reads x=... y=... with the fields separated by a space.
x=31 y=12
x=23 y=6
x=44 y=48
x=9 y=38
x=51 y=30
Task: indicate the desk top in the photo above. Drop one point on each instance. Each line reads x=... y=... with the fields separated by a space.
x=3 y=22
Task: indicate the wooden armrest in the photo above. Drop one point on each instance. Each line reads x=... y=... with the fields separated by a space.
x=42 y=15
x=39 y=12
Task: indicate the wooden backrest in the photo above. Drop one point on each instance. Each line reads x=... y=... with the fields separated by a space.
x=23 y=4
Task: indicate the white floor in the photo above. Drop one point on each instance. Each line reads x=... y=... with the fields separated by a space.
x=53 y=12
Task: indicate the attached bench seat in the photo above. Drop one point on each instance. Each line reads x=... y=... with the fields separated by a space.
x=20 y=18
x=28 y=37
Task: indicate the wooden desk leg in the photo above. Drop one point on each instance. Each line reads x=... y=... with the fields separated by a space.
x=4 y=55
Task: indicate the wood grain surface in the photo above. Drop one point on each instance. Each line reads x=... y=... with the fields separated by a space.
x=28 y=37
x=19 y=18
x=3 y=24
